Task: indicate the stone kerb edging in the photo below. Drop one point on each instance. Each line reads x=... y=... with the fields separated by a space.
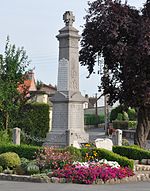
x=21 y=178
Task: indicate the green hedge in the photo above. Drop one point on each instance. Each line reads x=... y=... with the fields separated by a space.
x=132 y=152
x=110 y=156
x=25 y=151
x=120 y=124
x=132 y=114
x=132 y=124
x=34 y=120
x=91 y=119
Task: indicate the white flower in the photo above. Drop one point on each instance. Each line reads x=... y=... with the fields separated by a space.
x=112 y=164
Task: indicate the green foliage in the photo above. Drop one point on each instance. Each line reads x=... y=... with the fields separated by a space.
x=13 y=65
x=25 y=151
x=1 y=169
x=120 y=124
x=111 y=30
x=76 y=154
x=8 y=171
x=108 y=155
x=19 y=170
x=38 y=84
x=115 y=111
x=32 y=169
x=9 y=160
x=132 y=152
x=22 y=168
x=132 y=114
x=125 y=142
x=91 y=119
x=24 y=164
x=119 y=117
x=125 y=116
x=4 y=137
x=132 y=124
x=34 y=121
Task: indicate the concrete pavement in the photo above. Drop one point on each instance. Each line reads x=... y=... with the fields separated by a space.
x=26 y=186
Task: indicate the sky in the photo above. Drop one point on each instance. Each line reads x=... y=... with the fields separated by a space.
x=34 y=24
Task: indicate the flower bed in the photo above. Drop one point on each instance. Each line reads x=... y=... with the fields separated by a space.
x=87 y=173
x=64 y=165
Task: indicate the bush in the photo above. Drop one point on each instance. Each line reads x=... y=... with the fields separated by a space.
x=91 y=119
x=119 y=117
x=99 y=154
x=25 y=151
x=1 y=169
x=19 y=170
x=132 y=114
x=9 y=160
x=32 y=169
x=4 y=137
x=51 y=158
x=132 y=152
x=125 y=142
x=75 y=153
x=125 y=116
x=120 y=124
x=115 y=111
x=34 y=121
x=132 y=124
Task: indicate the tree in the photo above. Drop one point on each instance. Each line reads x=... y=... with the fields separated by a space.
x=39 y=84
x=13 y=65
x=121 y=34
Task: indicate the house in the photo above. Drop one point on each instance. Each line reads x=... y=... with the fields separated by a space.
x=48 y=89
x=28 y=85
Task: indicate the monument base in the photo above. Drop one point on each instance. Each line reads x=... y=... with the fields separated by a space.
x=66 y=138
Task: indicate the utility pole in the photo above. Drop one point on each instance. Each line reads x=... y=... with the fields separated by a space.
x=106 y=106
x=96 y=110
x=106 y=109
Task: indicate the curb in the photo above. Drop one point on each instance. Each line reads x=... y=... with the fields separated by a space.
x=21 y=178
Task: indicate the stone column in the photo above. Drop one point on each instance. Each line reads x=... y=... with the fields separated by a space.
x=68 y=113
x=16 y=136
x=117 y=137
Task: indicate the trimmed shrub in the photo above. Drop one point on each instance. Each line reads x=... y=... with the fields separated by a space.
x=132 y=152
x=91 y=119
x=115 y=111
x=132 y=114
x=119 y=117
x=108 y=155
x=75 y=153
x=25 y=151
x=34 y=121
x=132 y=124
x=120 y=124
x=9 y=160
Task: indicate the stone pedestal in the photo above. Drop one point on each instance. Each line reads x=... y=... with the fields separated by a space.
x=68 y=113
x=16 y=136
x=117 y=137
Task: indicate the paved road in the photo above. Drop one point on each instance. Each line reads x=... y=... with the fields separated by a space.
x=25 y=186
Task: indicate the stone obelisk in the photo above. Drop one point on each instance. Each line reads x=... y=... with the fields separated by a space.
x=68 y=113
